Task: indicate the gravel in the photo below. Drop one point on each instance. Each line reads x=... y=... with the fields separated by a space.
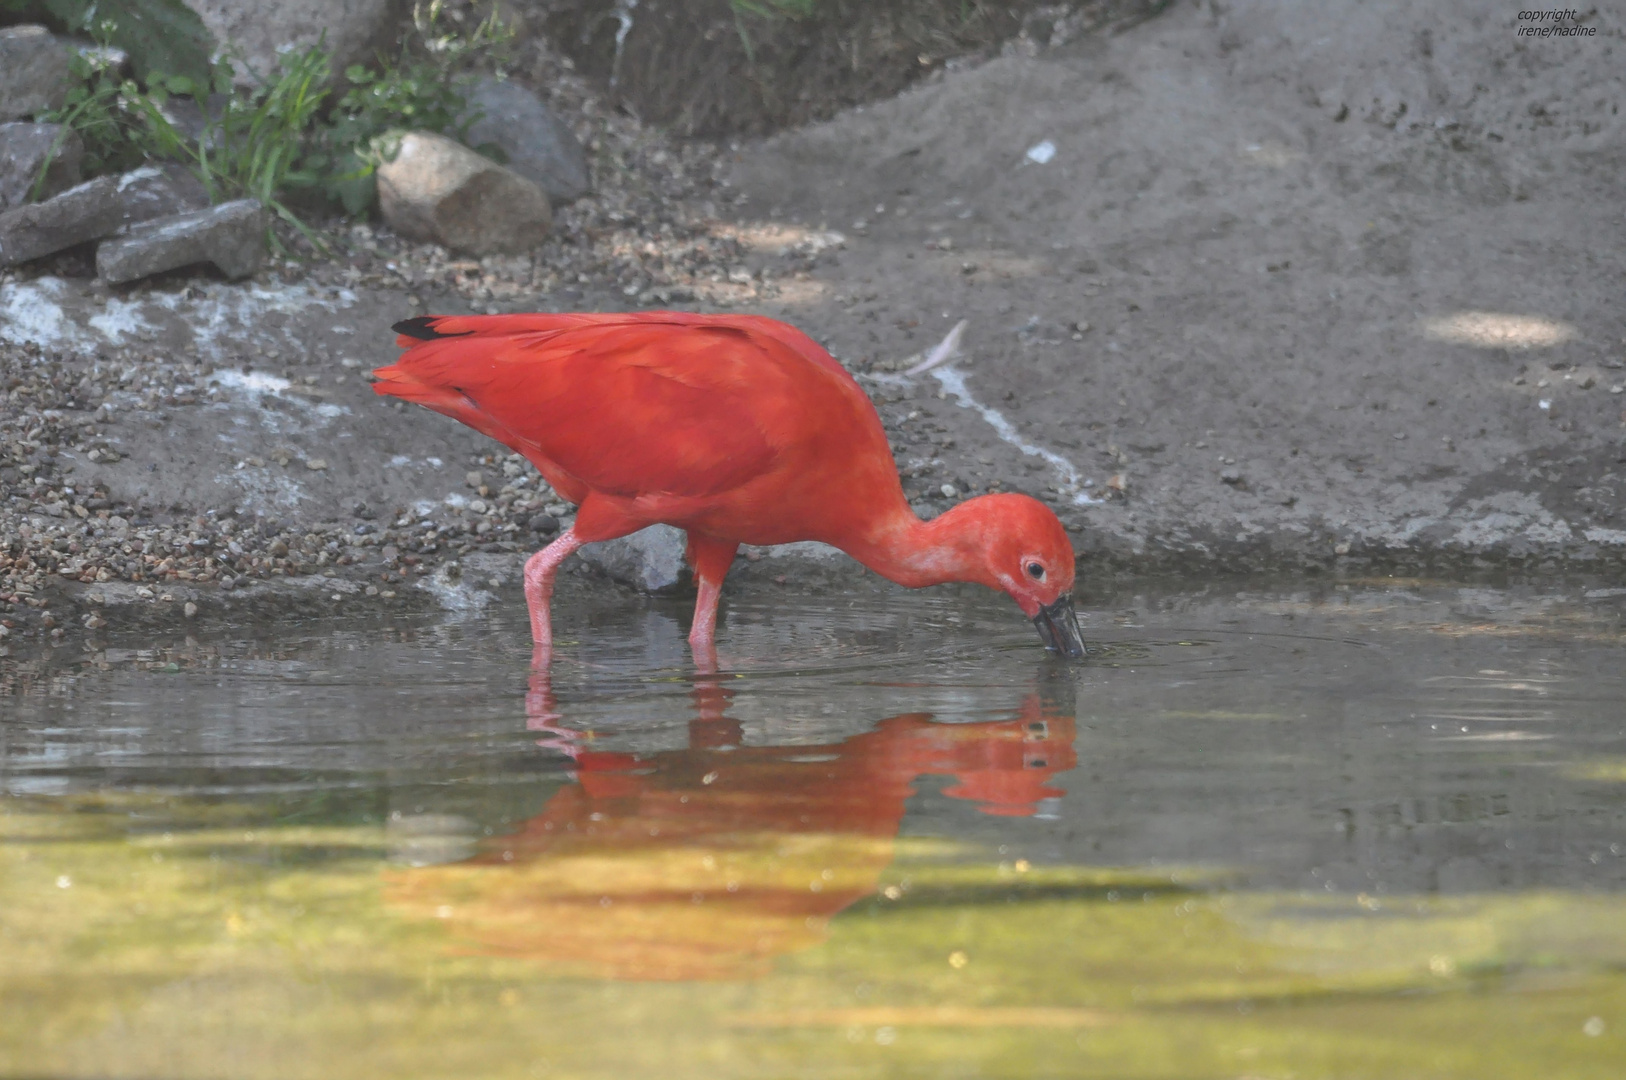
x=56 y=530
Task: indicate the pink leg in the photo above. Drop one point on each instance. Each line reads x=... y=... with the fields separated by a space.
x=703 y=631
x=539 y=572
x=711 y=559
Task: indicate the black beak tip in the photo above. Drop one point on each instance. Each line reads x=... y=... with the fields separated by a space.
x=1058 y=628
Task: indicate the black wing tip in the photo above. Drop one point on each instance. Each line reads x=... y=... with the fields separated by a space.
x=422 y=327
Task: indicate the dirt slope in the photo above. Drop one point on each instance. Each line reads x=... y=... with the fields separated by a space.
x=1332 y=259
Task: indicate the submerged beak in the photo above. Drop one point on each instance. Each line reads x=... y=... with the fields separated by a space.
x=1058 y=628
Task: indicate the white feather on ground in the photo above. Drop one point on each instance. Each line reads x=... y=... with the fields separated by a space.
x=944 y=350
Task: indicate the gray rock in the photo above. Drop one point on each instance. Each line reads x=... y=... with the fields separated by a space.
x=34 y=74
x=438 y=189
x=87 y=212
x=650 y=559
x=157 y=191
x=356 y=30
x=24 y=148
x=231 y=236
x=192 y=121
x=535 y=143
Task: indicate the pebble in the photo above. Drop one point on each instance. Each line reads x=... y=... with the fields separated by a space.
x=435 y=188
x=57 y=528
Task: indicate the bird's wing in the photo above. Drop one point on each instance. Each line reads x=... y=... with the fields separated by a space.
x=653 y=403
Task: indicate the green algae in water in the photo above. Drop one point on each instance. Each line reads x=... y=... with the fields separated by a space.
x=210 y=953
x=1335 y=880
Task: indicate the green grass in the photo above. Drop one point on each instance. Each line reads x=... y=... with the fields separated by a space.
x=793 y=9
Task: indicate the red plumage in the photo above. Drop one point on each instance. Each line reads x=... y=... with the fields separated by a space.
x=738 y=429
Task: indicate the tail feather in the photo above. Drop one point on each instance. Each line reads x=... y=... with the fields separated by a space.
x=424 y=328
x=399 y=382
x=421 y=328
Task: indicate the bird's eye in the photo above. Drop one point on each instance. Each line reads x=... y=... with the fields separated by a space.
x=1035 y=571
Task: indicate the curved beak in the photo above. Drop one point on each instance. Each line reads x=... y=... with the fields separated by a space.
x=1058 y=628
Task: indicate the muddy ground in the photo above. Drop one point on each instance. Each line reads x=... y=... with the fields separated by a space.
x=1330 y=289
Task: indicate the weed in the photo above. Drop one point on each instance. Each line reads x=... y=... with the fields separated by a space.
x=279 y=139
x=99 y=110
x=424 y=89
x=766 y=9
x=255 y=144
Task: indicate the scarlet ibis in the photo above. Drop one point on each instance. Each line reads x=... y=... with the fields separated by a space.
x=735 y=428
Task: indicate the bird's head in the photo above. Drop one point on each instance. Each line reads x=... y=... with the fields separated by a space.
x=1017 y=545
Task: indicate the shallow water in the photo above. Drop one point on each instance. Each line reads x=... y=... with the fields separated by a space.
x=1376 y=829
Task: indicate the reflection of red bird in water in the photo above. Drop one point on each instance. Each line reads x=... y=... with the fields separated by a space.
x=707 y=862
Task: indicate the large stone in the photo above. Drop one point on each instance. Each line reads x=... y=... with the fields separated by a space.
x=438 y=189
x=356 y=31
x=24 y=148
x=88 y=212
x=156 y=191
x=535 y=143
x=231 y=236
x=650 y=559
x=34 y=75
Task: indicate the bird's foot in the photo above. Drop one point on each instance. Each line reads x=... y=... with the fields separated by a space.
x=704 y=650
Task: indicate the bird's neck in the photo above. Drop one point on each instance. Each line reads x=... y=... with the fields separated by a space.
x=915 y=553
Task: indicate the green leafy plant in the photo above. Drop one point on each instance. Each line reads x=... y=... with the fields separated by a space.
x=348 y=149
x=100 y=110
x=424 y=88
x=456 y=50
x=252 y=144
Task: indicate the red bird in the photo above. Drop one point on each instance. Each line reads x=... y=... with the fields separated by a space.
x=735 y=428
